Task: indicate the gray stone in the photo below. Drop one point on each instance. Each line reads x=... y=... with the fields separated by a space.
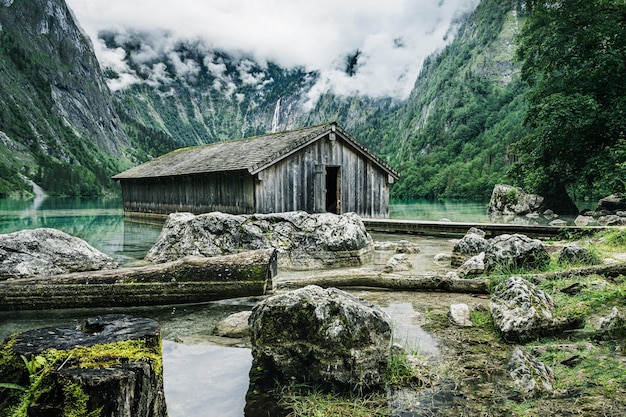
x=612 y=220
x=558 y=223
x=506 y=199
x=442 y=258
x=473 y=266
x=521 y=311
x=326 y=338
x=235 y=326
x=404 y=246
x=476 y=231
x=459 y=315
x=46 y=252
x=385 y=246
x=612 y=327
x=516 y=251
x=399 y=262
x=530 y=376
x=303 y=241
x=612 y=203
x=573 y=254
x=582 y=221
x=470 y=245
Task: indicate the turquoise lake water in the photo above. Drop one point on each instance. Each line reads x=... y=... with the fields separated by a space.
x=101 y=221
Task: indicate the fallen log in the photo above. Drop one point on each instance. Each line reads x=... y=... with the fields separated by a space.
x=187 y=280
x=376 y=279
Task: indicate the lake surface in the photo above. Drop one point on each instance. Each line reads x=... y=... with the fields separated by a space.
x=202 y=376
x=101 y=221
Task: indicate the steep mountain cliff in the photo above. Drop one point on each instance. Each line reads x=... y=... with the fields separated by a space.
x=58 y=125
x=465 y=112
x=451 y=138
x=61 y=126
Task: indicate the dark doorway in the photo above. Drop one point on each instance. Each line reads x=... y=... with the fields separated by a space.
x=333 y=190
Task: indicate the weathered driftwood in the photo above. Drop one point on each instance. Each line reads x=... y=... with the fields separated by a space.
x=376 y=279
x=188 y=280
x=111 y=366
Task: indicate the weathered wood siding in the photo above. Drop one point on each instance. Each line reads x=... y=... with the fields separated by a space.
x=298 y=182
x=229 y=192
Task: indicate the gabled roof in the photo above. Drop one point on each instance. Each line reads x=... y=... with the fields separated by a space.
x=251 y=154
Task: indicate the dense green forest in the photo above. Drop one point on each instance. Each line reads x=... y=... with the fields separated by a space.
x=574 y=59
x=554 y=123
x=466 y=111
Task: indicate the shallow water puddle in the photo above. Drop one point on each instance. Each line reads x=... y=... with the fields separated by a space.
x=205 y=380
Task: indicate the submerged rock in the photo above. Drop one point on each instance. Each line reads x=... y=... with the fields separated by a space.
x=404 y=246
x=46 y=252
x=521 y=311
x=303 y=241
x=399 y=262
x=236 y=325
x=326 y=338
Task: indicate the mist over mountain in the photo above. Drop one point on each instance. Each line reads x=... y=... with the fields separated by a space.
x=168 y=88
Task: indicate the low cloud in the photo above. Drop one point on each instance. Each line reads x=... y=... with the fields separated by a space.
x=392 y=38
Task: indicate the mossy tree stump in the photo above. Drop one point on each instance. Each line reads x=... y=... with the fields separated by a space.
x=110 y=366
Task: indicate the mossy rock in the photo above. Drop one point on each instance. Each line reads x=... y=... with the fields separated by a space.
x=110 y=366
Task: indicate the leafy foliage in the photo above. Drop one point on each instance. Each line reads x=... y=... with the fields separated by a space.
x=574 y=58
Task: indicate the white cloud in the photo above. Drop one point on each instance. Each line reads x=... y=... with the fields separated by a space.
x=393 y=36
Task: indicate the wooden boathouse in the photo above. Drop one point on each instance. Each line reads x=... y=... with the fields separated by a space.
x=316 y=169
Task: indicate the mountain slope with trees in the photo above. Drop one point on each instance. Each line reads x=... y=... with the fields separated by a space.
x=57 y=121
x=466 y=111
x=549 y=117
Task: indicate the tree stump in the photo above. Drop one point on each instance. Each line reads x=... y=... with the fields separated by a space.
x=111 y=366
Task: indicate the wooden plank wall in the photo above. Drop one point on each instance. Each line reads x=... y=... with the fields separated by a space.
x=229 y=192
x=298 y=182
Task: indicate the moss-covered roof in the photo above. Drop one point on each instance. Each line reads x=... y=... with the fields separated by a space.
x=250 y=154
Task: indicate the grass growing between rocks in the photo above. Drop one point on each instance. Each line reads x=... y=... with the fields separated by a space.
x=472 y=375
x=404 y=371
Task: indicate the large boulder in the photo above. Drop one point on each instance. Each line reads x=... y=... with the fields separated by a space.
x=612 y=203
x=303 y=241
x=472 y=244
x=46 y=252
x=326 y=338
x=509 y=200
x=577 y=255
x=521 y=311
x=612 y=327
x=516 y=251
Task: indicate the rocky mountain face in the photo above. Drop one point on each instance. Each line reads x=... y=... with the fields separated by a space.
x=56 y=110
x=64 y=120
x=197 y=94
